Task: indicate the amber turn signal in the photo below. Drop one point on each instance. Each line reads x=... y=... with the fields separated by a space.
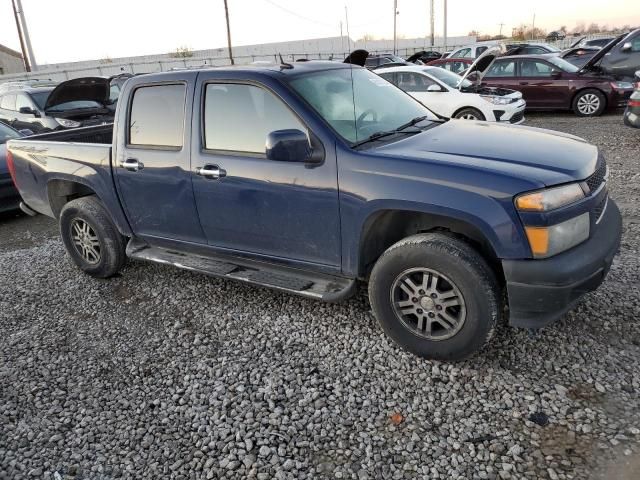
x=538 y=240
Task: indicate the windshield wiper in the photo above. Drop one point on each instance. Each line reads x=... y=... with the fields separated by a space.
x=400 y=129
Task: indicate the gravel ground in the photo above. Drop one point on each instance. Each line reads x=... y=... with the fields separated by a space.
x=162 y=373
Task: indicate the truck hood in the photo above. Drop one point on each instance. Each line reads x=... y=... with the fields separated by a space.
x=86 y=88
x=542 y=156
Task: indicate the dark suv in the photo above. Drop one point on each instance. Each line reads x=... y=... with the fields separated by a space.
x=75 y=103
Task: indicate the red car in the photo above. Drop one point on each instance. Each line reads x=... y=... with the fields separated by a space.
x=455 y=65
x=548 y=82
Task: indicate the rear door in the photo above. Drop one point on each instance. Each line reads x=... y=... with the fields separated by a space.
x=152 y=163
x=539 y=87
x=280 y=210
x=502 y=73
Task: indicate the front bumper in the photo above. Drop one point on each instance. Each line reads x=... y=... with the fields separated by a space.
x=541 y=291
x=513 y=113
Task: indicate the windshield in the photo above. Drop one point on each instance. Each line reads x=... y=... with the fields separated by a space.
x=551 y=48
x=7 y=133
x=448 y=78
x=357 y=110
x=562 y=64
x=40 y=98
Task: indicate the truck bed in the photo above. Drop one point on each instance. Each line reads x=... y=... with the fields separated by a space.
x=51 y=168
x=95 y=134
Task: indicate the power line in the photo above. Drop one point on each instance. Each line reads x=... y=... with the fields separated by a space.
x=295 y=14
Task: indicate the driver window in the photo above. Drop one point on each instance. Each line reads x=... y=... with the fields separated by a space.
x=635 y=45
x=413 y=82
x=239 y=117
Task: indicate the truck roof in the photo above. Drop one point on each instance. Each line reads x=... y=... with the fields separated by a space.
x=271 y=69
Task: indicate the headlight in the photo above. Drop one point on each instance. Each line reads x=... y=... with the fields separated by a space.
x=549 y=199
x=496 y=100
x=67 y=123
x=622 y=85
x=548 y=241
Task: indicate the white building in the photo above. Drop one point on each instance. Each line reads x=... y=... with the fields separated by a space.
x=10 y=61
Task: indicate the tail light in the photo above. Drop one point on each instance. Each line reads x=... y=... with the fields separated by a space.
x=12 y=168
x=633 y=103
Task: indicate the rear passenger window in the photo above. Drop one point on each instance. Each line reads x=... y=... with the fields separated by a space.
x=239 y=117
x=157 y=116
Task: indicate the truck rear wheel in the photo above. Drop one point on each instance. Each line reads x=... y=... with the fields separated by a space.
x=91 y=239
x=435 y=296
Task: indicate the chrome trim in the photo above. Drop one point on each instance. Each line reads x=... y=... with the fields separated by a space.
x=606 y=203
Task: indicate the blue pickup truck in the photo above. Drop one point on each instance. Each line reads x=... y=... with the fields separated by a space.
x=315 y=177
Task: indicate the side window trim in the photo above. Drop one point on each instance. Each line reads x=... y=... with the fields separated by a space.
x=240 y=153
x=168 y=148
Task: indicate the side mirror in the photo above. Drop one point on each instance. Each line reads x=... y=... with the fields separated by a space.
x=27 y=110
x=434 y=88
x=627 y=47
x=638 y=75
x=289 y=145
x=556 y=74
x=26 y=132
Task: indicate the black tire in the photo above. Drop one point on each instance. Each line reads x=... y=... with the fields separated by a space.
x=110 y=250
x=455 y=261
x=465 y=113
x=589 y=103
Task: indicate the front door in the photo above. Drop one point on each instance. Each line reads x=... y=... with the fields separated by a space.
x=279 y=210
x=153 y=168
x=540 y=88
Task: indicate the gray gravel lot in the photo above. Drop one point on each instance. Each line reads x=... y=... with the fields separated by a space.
x=162 y=373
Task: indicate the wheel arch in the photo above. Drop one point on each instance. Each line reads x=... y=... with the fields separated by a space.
x=579 y=91
x=384 y=228
x=469 y=107
x=62 y=191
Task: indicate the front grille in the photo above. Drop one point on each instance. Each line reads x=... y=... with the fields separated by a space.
x=596 y=179
x=517 y=117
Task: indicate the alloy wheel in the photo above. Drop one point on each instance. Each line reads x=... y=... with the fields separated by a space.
x=85 y=241
x=588 y=104
x=428 y=303
x=468 y=116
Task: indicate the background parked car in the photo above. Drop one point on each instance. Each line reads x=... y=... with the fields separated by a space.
x=9 y=196
x=455 y=65
x=594 y=42
x=452 y=96
x=424 y=57
x=632 y=113
x=471 y=51
x=531 y=49
x=75 y=103
x=548 y=82
x=556 y=35
x=622 y=58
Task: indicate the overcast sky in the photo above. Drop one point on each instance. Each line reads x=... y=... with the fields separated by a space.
x=72 y=30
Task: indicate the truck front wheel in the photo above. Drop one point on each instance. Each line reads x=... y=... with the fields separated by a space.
x=91 y=239
x=435 y=296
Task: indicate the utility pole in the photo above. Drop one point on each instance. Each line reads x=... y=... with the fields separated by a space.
x=501 y=25
x=341 y=39
x=395 y=14
x=25 y=59
x=533 y=26
x=432 y=24
x=346 y=18
x=226 y=12
x=25 y=33
x=445 y=25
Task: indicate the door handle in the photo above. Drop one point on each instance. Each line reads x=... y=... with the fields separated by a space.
x=212 y=172
x=524 y=83
x=132 y=164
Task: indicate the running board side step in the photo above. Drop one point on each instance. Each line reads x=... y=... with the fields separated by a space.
x=324 y=287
